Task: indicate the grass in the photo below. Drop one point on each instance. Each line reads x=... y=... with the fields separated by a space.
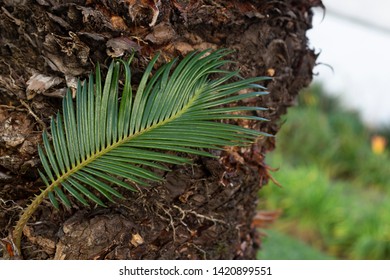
x=279 y=246
x=336 y=189
x=334 y=140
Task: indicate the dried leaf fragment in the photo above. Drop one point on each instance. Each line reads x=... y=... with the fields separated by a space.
x=136 y=6
x=162 y=33
x=136 y=240
x=117 y=47
x=39 y=83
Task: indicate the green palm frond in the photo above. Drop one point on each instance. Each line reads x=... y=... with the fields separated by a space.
x=101 y=139
x=106 y=136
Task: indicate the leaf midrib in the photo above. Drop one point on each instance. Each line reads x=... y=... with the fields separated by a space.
x=109 y=148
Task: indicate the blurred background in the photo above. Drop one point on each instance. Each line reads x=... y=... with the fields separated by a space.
x=332 y=152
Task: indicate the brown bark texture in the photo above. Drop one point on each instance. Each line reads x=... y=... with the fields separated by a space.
x=202 y=211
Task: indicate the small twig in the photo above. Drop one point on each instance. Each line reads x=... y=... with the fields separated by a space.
x=10 y=74
x=200 y=249
x=11 y=208
x=41 y=123
x=14 y=206
x=184 y=212
x=170 y=221
x=11 y=108
x=183 y=215
x=17 y=21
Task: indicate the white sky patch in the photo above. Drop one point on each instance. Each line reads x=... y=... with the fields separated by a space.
x=358 y=54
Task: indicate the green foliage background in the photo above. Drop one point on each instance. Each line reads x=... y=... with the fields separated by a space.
x=335 y=194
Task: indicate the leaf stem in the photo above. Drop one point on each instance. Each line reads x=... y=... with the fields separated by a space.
x=27 y=213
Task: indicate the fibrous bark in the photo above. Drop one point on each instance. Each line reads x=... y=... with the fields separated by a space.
x=202 y=211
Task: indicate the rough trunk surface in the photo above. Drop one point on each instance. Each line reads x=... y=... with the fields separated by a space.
x=201 y=211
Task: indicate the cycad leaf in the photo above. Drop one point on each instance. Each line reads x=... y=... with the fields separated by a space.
x=107 y=136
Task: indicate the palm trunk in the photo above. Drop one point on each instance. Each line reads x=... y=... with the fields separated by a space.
x=202 y=211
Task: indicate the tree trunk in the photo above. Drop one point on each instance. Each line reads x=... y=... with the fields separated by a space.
x=201 y=211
